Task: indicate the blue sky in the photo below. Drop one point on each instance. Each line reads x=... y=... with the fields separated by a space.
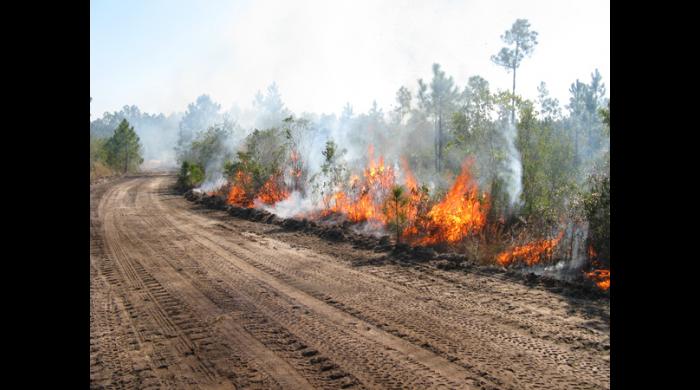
x=138 y=48
x=161 y=55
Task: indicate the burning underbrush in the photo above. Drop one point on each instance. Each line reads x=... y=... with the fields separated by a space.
x=383 y=207
x=600 y=273
x=531 y=253
x=363 y=198
x=441 y=257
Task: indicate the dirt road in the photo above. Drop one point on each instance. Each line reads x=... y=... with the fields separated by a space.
x=183 y=297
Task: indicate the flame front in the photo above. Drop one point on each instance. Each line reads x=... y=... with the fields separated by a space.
x=271 y=192
x=531 y=253
x=458 y=214
x=366 y=195
x=237 y=194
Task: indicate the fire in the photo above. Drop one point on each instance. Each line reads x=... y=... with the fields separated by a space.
x=364 y=200
x=601 y=277
x=417 y=200
x=296 y=164
x=271 y=193
x=356 y=210
x=408 y=178
x=378 y=176
x=531 y=253
x=458 y=214
x=237 y=193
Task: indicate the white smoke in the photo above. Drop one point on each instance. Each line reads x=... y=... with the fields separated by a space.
x=294 y=205
x=568 y=269
x=371 y=228
x=214 y=183
x=214 y=176
x=514 y=173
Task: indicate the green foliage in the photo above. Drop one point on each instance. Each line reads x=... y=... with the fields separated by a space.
x=403 y=100
x=191 y=175
x=499 y=199
x=104 y=127
x=596 y=201
x=263 y=156
x=98 y=159
x=271 y=109
x=333 y=173
x=123 y=149
x=438 y=103
x=548 y=171
x=549 y=107
x=596 y=205
x=210 y=145
x=470 y=124
x=395 y=210
x=200 y=115
x=589 y=134
x=605 y=116
x=522 y=42
x=298 y=136
x=97 y=150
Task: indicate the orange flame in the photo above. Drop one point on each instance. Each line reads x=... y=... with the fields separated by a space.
x=408 y=178
x=237 y=194
x=416 y=199
x=459 y=213
x=296 y=168
x=531 y=253
x=271 y=193
x=366 y=195
x=601 y=277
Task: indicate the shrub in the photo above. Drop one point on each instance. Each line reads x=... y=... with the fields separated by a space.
x=191 y=175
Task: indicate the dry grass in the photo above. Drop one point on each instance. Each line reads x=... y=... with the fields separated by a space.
x=100 y=171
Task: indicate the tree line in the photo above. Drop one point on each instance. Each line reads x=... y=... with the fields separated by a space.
x=119 y=153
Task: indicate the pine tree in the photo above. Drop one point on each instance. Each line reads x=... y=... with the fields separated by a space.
x=123 y=149
x=523 y=43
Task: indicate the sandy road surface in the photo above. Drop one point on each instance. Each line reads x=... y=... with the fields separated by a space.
x=183 y=297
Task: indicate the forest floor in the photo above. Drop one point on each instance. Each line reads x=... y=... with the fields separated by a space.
x=186 y=297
